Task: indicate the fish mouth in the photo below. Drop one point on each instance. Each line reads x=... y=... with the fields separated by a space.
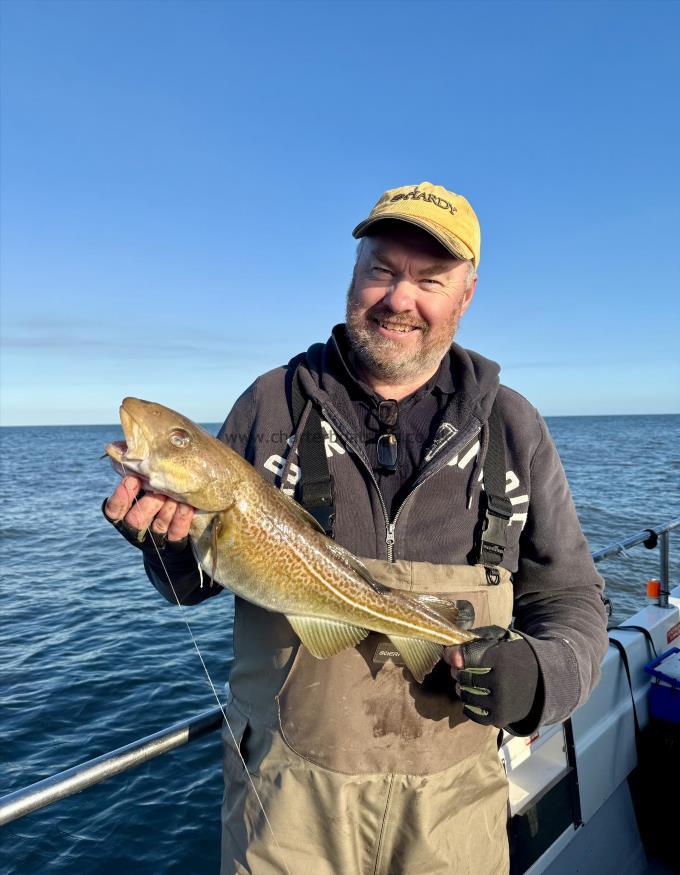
x=131 y=452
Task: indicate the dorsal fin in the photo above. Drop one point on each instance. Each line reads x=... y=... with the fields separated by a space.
x=446 y=608
x=302 y=514
x=356 y=565
x=339 y=552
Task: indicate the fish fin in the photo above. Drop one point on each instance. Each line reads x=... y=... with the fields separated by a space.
x=216 y=537
x=325 y=637
x=302 y=514
x=224 y=532
x=419 y=656
x=458 y=611
x=215 y=532
x=356 y=565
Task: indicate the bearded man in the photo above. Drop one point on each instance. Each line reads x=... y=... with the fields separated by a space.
x=409 y=453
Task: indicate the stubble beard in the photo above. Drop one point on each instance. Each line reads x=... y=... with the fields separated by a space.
x=384 y=358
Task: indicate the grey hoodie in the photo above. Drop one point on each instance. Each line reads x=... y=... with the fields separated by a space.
x=557 y=603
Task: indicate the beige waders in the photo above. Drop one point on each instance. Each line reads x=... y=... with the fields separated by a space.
x=361 y=770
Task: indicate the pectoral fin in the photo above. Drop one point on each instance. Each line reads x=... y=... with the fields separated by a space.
x=419 y=656
x=215 y=532
x=217 y=537
x=326 y=637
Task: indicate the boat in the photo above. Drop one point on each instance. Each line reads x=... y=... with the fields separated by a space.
x=595 y=794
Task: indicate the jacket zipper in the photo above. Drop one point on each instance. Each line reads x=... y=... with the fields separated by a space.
x=390 y=526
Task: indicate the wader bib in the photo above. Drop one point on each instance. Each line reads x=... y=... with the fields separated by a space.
x=361 y=770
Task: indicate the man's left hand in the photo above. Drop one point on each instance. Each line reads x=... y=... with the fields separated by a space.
x=497 y=676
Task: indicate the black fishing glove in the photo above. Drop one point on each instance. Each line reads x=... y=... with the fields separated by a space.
x=501 y=683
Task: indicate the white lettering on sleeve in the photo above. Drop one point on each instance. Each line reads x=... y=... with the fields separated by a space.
x=276 y=464
x=330 y=441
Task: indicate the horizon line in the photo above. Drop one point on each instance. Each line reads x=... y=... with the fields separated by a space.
x=216 y=422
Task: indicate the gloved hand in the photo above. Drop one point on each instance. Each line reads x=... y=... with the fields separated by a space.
x=497 y=677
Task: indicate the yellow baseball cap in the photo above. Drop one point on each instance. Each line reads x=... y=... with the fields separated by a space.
x=445 y=215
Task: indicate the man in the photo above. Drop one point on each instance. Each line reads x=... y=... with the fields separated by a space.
x=442 y=481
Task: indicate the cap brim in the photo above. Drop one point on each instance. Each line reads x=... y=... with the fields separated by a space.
x=453 y=244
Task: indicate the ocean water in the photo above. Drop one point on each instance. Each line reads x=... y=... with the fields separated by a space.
x=92 y=658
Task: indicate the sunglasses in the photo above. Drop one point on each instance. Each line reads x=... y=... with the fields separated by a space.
x=388 y=449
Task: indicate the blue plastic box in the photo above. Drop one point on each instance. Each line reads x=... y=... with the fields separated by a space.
x=664 y=694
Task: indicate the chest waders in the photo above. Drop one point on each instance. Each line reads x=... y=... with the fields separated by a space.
x=361 y=770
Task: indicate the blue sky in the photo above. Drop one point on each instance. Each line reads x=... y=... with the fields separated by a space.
x=180 y=180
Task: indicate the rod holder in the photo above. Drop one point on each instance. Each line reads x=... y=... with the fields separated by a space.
x=664 y=574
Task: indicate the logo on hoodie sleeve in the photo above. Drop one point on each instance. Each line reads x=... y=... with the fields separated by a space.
x=513 y=487
x=276 y=464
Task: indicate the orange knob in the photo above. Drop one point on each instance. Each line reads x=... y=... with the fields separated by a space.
x=653 y=588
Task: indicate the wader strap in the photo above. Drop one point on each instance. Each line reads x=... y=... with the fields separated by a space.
x=316 y=487
x=498 y=507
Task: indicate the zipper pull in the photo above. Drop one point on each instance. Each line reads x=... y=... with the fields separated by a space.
x=389 y=540
x=493 y=575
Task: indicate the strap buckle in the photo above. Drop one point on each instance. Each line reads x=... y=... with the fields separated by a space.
x=494 y=538
x=499 y=505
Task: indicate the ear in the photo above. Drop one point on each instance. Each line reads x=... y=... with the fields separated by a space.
x=467 y=298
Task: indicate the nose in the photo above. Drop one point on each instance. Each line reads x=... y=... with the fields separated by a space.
x=400 y=297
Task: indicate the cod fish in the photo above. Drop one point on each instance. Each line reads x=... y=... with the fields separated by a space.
x=262 y=545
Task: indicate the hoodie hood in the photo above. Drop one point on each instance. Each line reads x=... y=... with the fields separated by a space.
x=475 y=380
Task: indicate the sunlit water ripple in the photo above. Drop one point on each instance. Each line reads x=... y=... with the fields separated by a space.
x=92 y=658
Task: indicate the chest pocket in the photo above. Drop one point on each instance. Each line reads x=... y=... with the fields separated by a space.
x=356 y=715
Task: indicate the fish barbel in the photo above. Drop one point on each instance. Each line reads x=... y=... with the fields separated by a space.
x=263 y=546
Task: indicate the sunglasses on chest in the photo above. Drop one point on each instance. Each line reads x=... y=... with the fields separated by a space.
x=388 y=448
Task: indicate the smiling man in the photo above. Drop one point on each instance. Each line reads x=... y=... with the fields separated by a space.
x=409 y=452
x=403 y=307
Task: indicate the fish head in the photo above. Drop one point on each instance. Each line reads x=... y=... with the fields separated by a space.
x=173 y=455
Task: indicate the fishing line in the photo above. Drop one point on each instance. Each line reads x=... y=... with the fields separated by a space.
x=237 y=746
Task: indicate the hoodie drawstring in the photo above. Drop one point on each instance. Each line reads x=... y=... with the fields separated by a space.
x=477 y=465
x=293 y=451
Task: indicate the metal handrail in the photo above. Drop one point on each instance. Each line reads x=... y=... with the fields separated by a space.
x=78 y=778
x=651 y=538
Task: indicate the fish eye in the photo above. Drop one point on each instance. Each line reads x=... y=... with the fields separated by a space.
x=180 y=438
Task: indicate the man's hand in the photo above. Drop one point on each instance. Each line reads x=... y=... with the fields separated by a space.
x=497 y=676
x=168 y=521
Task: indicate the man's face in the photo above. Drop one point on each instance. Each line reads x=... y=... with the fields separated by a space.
x=404 y=304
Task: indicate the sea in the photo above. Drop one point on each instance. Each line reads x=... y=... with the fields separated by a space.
x=91 y=657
